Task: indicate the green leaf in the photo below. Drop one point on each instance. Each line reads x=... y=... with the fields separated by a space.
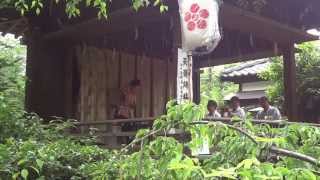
x=88 y=2
x=40 y=163
x=137 y=4
x=268 y=168
x=226 y=173
x=21 y=162
x=38 y=11
x=96 y=3
x=308 y=175
x=40 y=4
x=33 y=4
x=282 y=170
x=25 y=6
x=248 y=163
x=142 y=132
x=24 y=174
x=15 y=175
x=156 y=3
x=41 y=178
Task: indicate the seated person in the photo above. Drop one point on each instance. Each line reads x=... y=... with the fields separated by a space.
x=236 y=110
x=128 y=100
x=269 y=112
x=225 y=111
x=127 y=105
x=212 y=109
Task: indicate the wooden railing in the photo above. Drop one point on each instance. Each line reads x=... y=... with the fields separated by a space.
x=109 y=131
x=116 y=121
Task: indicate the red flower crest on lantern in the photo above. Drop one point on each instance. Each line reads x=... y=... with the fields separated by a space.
x=196 y=17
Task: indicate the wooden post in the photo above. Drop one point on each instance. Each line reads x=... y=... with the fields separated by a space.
x=196 y=83
x=176 y=33
x=290 y=88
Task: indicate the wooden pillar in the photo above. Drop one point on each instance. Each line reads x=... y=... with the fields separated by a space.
x=32 y=40
x=176 y=41
x=45 y=77
x=196 y=83
x=68 y=85
x=290 y=87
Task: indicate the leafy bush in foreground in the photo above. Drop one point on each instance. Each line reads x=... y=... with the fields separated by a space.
x=241 y=150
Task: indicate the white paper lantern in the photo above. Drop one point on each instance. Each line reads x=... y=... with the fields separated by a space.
x=199 y=25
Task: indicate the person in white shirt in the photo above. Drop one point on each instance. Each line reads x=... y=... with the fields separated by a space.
x=212 y=109
x=268 y=112
x=236 y=110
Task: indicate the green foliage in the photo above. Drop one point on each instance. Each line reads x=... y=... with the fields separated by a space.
x=308 y=69
x=72 y=7
x=12 y=60
x=274 y=73
x=47 y=152
x=60 y=159
x=212 y=88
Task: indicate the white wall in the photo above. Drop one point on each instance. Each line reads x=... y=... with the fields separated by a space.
x=255 y=86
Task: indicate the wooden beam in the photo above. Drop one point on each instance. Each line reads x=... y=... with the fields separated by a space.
x=236 y=18
x=9 y=13
x=118 y=21
x=10 y=21
x=14 y=25
x=231 y=18
x=234 y=59
x=290 y=87
x=22 y=31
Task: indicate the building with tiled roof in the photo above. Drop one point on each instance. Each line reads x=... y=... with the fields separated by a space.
x=251 y=86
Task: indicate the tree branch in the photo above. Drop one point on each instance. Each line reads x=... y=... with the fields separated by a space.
x=243 y=132
x=280 y=151
x=295 y=155
x=140 y=139
x=257 y=121
x=274 y=149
